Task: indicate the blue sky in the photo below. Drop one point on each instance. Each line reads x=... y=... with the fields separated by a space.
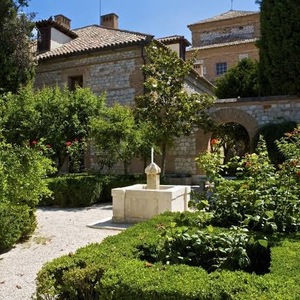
x=158 y=17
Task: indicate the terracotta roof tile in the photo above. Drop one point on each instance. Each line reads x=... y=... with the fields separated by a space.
x=95 y=37
x=227 y=15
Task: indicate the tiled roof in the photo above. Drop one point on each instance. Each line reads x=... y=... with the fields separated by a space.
x=223 y=44
x=227 y=15
x=173 y=39
x=95 y=37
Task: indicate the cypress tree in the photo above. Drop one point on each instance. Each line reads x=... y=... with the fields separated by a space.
x=279 y=47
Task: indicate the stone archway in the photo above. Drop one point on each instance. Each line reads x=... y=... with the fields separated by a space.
x=222 y=116
x=228 y=115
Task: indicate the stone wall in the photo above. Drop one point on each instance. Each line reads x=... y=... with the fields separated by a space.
x=117 y=73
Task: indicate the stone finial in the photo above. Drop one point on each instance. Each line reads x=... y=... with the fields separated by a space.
x=153 y=171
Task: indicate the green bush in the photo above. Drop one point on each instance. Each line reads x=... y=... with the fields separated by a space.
x=16 y=223
x=22 y=170
x=113 y=270
x=76 y=190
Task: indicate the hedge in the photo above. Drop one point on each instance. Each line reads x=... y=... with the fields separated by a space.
x=16 y=223
x=79 y=190
x=113 y=270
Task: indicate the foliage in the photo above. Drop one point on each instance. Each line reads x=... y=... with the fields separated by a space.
x=239 y=81
x=21 y=171
x=211 y=251
x=116 y=136
x=232 y=138
x=84 y=189
x=279 y=47
x=264 y=199
x=16 y=60
x=166 y=106
x=272 y=132
x=55 y=116
x=16 y=223
x=112 y=270
x=74 y=190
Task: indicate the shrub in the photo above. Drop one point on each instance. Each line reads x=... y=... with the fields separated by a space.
x=16 y=223
x=76 y=190
x=113 y=270
x=272 y=132
x=264 y=199
x=21 y=171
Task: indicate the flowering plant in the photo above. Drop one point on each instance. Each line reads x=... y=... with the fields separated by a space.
x=75 y=149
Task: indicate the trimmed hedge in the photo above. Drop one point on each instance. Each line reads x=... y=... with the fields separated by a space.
x=16 y=223
x=113 y=270
x=78 y=190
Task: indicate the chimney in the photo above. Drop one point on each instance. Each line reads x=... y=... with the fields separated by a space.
x=66 y=22
x=110 y=20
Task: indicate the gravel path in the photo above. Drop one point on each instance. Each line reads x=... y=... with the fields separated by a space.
x=59 y=231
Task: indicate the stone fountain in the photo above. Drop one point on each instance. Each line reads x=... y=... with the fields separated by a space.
x=140 y=202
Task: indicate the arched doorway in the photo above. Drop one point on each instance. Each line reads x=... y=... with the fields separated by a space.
x=244 y=123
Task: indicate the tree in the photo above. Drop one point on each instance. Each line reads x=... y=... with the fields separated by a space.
x=58 y=117
x=166 y=105
x=240 y=81
x=117 y=136
x=279 y=47
x=16 y=57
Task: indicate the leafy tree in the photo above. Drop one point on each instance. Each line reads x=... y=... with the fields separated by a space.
x=16 y=58
x=169 y=109
x=239 y=81
x=58 y=117
x=117 y=136
x=279 y=47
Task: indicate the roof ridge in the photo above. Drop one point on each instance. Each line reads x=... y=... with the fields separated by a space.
x=230 y=14
x=115 y=29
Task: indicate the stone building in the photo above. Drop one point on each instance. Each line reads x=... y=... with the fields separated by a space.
x=103 y=58
x=221 y=41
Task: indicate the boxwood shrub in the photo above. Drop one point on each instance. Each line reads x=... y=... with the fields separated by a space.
x=113 y=270
x=16 y=223
x=78 y=190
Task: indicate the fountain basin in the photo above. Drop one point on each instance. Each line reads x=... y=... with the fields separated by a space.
x=136 y=203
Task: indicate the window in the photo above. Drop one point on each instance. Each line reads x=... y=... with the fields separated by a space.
x=75 y=81
x=221 y=68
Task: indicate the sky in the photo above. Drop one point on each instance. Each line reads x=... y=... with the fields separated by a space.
x=160 y=18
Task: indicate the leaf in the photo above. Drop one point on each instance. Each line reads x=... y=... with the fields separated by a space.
x=263 y=243
x=210 y=228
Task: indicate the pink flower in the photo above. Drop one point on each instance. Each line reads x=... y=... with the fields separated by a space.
x=68 y=144
x=34 y=142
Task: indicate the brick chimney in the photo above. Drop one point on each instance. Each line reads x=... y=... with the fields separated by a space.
x=110 y=20
x=66 y=22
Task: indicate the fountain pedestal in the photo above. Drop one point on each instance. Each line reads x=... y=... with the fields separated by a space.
x=140 y=202
x=137 y=203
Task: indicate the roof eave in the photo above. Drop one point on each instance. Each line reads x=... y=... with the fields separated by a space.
x=147 y=40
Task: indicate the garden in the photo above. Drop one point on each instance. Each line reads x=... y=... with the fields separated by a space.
x=239 y=241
